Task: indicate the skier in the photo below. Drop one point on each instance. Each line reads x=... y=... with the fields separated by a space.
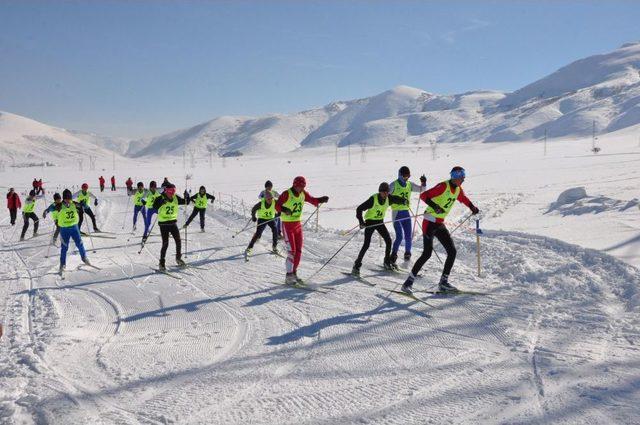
x=200 y=201
x=150 y=198
x=440 y=200
x=401 y=213
x=113 y=183
x=376 y=208
x=13 y=203
x=138 y=204
x=289 y=205
x=167 y=207
x=28 y=213
x=266 y=211
x=53 y=209
x=268 y=187
x=101 y=181
x=68 y=219
x=83 y=197
x=129 y=184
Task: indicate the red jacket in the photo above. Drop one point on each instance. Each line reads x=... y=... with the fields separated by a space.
x=284 y=196
x=439 y=190
x=129 y=182
x=13 y=201
x=113 y=180
x=101 y=180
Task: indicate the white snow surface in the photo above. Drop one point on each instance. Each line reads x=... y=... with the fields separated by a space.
x=555 y=340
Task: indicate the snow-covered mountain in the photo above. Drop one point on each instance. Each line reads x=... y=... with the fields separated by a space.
x=26 y=140
x=604 y=88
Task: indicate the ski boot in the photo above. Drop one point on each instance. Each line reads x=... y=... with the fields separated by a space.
x=61 y=268
x=35 y=234
x=202 y=230
x=355 y=271
x=247 y=253
x=180 y=262
x=407 y=256
x=86 y=261
x=144 y=238
x=96 y=230
x=274 y=249
x=445 y=286
x=134 y=227
x=161 y=266
x=290 y=279
x=406 y=286
x=21 y=238
x=299 y=281
x=389 y=266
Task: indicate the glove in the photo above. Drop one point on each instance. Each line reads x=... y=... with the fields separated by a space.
x=253 y=218
x=323 y=199
x=363 y=225
x=277 y=214
x=95 y=203
x=438 y=209
x=423 y=180
x=474 y=209
x=286 y=210
x=405 y=201
x=44 y=214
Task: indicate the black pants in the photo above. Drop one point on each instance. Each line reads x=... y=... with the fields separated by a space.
x=165 y=230
x=113 y=187
x=26 y=217
x=13 y=213
x=440 y=231
x=101 y=188
x=195 y=212
x=87 y=211
x=376 y=226
x=262 y=223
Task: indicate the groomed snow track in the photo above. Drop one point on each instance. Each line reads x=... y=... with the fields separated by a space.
x=556 y=338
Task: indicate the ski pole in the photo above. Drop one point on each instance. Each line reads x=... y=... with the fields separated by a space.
x=357 y=226
x=93 y=248
x=415 y=223
x=332 y=257
x=246 y=226
x=461 y=223
x=148 y=234
x=312 y=214
x=126 y=212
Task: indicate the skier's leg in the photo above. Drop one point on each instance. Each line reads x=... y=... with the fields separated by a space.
x=258 y=234
x=428 y=229
x=290 y=244
x=202 y=212
x=164 y=235
x=65 y=234
x=191 y=216
x=80 y=217
x=384 y=233
x=93 y=219
x=136 y=210
x=368 y=232
x=408 y=237
x=25 y=226
x=13 y=212
x=444 y=237
x=36 y=222
x=397 y=227
x=56 y=232
x=75 y=234
x=274 y=233
x=175 y=232
x=299 y=245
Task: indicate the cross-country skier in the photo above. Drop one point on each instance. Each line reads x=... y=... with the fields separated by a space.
x=68 y=219
x=113 y=183
x=28 y=213
x=376 y=208
x=200 y=207
x=289 y=205
x=167 y=206
x=150 y=198
x=129 y=184
x=268 y=187
x=266 y=216
x=402 y=213
x=101 y=181
x=83 y=197
x=440 y=200
x=53 y=209
x=13 y=203
x=138 y=204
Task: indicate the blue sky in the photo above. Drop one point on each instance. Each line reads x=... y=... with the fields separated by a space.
x=145 y=68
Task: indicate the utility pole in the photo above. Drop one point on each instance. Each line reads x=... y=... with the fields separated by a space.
x=545 y=142
x=349 y=154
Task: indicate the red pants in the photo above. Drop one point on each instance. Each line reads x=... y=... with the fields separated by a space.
x=294 y=241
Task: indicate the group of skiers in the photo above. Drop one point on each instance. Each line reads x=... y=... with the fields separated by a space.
x=102 y=181
x=282 y=213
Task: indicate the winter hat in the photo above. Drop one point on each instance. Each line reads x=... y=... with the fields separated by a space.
x=85 y=186
x=300 y=181
x=56 y=196
x=384 y=187
x=140 y=184
x=66 y=194
x=268 y=184
x=153 y=183
x=458 y=173
x=202 y=188
x=404 y=171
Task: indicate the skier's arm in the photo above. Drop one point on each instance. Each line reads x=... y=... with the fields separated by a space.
x=368 y=204
x=313 y=200
x=432 y=193
x=183 y=201
x=213 y=198
x=280 y=208
x=158 y=202
x=421 y=186
x=463 y=198
x=398 y=200
x=254 y=210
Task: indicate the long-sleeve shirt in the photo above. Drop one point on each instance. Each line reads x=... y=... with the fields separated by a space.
x=161 y=200
x=284 y=197
x=438 y=190
x=368 y=204
x=193 y=197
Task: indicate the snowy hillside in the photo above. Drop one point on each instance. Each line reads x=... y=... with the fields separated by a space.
x=604 y=88
x=26 y=140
